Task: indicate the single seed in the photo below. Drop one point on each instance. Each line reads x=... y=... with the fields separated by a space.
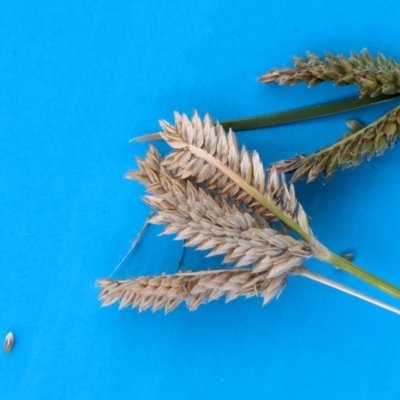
x=8 y=342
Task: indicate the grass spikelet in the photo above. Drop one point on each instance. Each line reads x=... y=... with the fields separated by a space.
x=210 y=222
x=187 y=135
x=349 y=151
x=374 y=76
x=194 y=288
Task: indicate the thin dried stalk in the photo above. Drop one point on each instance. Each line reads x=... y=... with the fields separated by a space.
x=168 y=291
x=211 y=222
x=321 y=279
x=135 y=243
x=223 y=147
x=349 y=151
x=374 y=76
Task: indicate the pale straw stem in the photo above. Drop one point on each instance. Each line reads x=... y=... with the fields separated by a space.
x=135 y=242
x=325 y=281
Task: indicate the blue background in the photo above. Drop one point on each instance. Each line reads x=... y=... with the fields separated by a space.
x=77 y=81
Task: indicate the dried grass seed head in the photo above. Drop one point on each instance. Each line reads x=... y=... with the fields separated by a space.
x=188 y=134
x=210 y=222
x=196 y=288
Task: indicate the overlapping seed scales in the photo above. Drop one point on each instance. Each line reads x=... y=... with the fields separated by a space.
x=213 y=223
x=349 y=151
x=374 y=76
x=160 y=180
x=196 y=288
x=205 y=208
x=224 y=147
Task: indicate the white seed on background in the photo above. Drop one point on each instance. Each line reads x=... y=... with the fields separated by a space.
x=8 y=342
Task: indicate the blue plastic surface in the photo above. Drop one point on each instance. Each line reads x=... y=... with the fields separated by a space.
x=77 y=81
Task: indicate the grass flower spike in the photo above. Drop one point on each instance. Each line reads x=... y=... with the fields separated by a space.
x=374 y=76
x=195 y=288
x=349 y=151
x=190 y=139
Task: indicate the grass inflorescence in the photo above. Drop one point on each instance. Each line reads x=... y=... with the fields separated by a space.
x=216 y=196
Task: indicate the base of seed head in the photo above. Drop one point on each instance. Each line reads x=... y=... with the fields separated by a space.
x=8 y=342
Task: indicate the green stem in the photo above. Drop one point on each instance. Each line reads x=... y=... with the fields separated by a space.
x=277 y=212
x=360 y=273
x=287 y=117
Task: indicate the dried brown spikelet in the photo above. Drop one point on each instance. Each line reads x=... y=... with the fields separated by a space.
x=159 y=180
x=208 y=221
x=349 y=151
x=195 y=288
x=223 y=147
x=374 y=76
x=211 y=222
